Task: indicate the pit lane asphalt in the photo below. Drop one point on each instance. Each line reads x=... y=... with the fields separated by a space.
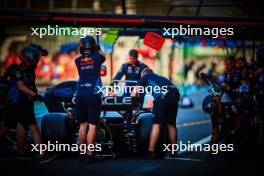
x=131 y=167
x=193 y=125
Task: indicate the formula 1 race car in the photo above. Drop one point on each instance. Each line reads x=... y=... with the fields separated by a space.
x=124 y=127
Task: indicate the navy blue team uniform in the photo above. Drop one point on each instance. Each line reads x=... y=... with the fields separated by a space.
x=88 y=101
x=165 y=106
x=131 y=72
x=233 y=80
x=60 y=97
x=22 y=105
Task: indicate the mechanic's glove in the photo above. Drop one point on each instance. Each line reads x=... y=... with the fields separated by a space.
x=38 y=97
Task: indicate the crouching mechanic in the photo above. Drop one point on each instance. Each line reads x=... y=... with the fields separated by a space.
x=23 y=93
x=165 y=107
x=88 y=101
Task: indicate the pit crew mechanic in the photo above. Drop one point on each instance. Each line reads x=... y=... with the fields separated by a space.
x=22 y=94
x=164 y=110
x=88 y=102
x=132 y=70
x=232 y=78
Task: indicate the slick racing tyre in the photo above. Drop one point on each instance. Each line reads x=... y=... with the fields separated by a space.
x=144 y=132
x=55 y=127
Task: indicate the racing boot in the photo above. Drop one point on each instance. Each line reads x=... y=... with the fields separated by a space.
x=90 y=158
x=94 y=159
x=149 y=155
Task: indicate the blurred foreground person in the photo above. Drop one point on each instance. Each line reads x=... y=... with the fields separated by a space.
x=232 y=77
x=258 y=89
x=247 y=112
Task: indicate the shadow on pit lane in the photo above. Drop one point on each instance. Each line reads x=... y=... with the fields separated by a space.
x=187 y=164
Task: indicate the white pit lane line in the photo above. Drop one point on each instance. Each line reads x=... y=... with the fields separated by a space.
x=184 y=159
x=51 y=158
x=187 y=124
x=147 y=168
x=205 y=140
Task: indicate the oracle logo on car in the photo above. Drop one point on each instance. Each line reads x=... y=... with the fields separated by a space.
x=117 y=100
x=153 y=40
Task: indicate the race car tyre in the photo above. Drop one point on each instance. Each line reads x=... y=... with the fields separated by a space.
x=144 y=133
x=55 y=127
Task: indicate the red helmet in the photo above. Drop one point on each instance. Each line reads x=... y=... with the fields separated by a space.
x=29 y=56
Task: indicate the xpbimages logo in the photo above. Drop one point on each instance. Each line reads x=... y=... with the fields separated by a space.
x=58 y=147
x=148 y=90
x=189 y=147
x=64 y=31
x=197 y=31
